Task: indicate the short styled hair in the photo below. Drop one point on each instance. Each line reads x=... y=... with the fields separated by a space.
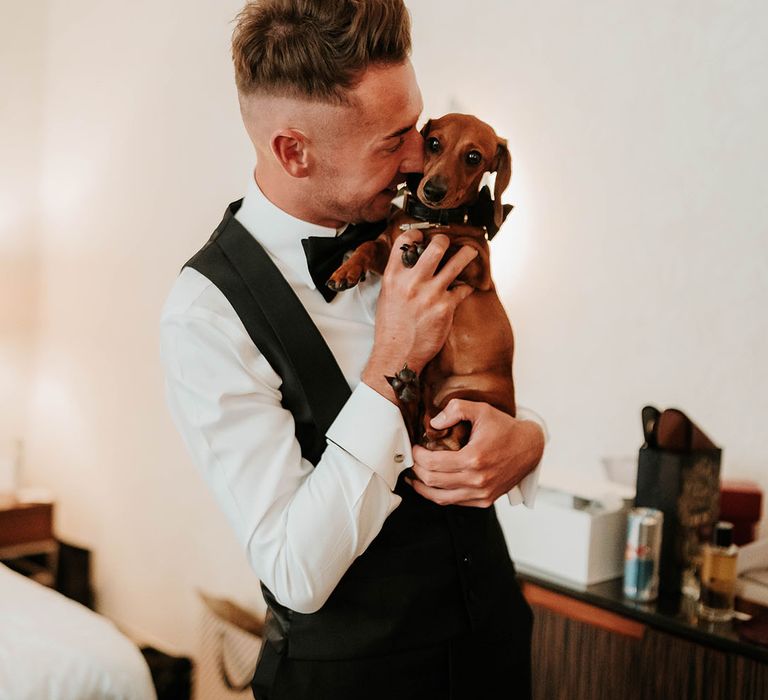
x=316 y=49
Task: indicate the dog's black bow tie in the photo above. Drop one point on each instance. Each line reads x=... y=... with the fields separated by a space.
x=325 y=254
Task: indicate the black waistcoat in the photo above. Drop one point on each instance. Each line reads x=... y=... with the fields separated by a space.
x=433 y=572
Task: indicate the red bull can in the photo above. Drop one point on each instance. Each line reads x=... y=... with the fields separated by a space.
x=642 y=553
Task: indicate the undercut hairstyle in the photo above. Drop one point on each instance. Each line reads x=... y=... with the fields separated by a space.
x=316 y=49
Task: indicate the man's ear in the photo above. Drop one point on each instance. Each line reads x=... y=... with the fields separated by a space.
x=289 y=146
x=425 y=129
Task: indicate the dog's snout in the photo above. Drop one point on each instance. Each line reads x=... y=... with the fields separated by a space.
x=435 y=190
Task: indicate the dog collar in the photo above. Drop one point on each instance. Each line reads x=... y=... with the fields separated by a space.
x=441 y=217
x=479 y=213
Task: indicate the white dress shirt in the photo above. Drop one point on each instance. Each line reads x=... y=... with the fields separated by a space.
x=302 y=526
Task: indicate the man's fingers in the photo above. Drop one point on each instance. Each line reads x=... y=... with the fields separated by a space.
x=446 y=497
x=440 y=479
x=441 y=460
x=456 y=410
x=429 y=260
x=451 y=270
x=442 y=497
x=476 y=503
x=432 y=255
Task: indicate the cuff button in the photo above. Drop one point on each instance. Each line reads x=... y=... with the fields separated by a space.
x=399 y=458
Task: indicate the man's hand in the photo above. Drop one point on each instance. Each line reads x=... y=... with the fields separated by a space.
x=414 y=313
x=501 y=451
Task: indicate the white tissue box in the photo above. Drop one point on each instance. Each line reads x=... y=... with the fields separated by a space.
x=566 y=542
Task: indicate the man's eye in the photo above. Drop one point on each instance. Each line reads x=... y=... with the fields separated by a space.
x=392 y=150
x=433 y=144
x=474 y=158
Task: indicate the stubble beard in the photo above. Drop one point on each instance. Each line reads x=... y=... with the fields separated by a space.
x=349 y=212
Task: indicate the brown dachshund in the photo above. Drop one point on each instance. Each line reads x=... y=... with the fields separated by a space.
x=476 y=361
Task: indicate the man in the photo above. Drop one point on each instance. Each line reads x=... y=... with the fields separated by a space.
x=380 y=583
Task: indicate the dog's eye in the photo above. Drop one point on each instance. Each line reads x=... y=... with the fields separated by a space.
x=474 y=158
x=433 y=144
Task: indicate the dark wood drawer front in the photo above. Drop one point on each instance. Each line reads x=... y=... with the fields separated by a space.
x=26 y=522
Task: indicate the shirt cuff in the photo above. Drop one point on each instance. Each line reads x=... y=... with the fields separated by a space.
x=525 y=491
x=371 y=429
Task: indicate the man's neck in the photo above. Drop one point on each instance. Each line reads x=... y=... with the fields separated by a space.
x=286 y=193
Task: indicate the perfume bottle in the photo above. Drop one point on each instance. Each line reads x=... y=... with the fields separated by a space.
x=718 y=575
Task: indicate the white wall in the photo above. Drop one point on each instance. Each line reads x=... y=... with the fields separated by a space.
x=21 y=97
x=633 y=266
x=142 y=149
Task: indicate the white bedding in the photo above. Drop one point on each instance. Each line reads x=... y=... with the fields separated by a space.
x=52 y=648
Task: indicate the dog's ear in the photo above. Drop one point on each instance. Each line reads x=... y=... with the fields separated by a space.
x=425 y=129
x=502 y=166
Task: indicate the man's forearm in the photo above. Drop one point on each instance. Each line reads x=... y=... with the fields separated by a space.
x=380 y=366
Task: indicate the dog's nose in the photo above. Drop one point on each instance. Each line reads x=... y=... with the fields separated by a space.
x=434 y=191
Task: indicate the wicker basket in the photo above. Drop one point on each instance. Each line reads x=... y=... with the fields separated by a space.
x=231 y=641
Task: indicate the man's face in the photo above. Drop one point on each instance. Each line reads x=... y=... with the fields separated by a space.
x=368 y=148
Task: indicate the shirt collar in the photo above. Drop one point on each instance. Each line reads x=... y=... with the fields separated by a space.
x=278 y=232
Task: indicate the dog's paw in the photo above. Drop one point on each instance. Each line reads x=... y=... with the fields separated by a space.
x=346 y=277
x=405 y=384
x=452 y=438
x=411 y=253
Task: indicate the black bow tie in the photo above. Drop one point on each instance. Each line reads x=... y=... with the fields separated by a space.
x=325 y=254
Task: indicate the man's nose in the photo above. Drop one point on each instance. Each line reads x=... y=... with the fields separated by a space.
x=413 y=154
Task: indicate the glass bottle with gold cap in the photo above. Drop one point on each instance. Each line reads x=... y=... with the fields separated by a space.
x=718 y=575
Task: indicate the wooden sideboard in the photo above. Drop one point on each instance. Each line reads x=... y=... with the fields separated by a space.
x=589 y=643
